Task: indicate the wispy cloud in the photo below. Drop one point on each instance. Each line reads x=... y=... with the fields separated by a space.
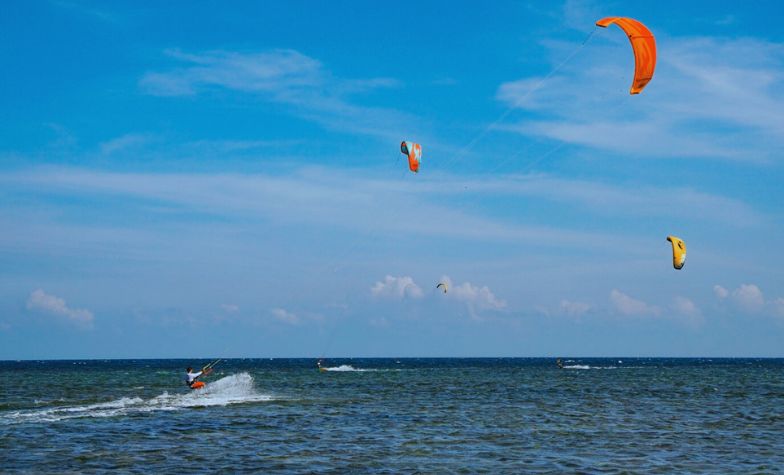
x=64 y=139
x=315 y=196
x=280 y=72
x=681 y=309
x=87 y=9
x=618 y=198
x=726 y=20
x=709 y=98
x=49 y=304
x=125 y=142
x=282 y=76
x=224 y=147
x=574 y=309
x=284 y=316
x=577 y=14
x=373 y=203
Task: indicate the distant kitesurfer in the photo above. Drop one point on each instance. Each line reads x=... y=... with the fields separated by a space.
x=191 y=378
x=319 y=364
x=559 y=363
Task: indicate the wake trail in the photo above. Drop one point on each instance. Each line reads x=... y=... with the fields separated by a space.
x=234 y=389
x=347 y=368
x=580 y=366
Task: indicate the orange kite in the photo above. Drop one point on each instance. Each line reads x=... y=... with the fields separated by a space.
x=644 y=46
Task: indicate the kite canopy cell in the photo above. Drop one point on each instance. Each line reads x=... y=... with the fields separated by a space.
x=644 y=46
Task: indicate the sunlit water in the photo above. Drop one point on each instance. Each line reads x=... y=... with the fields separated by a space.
x=395 y=416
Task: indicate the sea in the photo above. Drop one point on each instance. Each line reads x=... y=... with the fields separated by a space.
x=395 y=415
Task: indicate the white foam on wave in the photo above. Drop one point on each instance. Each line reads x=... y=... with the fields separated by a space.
x=346 y=367
x=582 y=366
x=234 y=389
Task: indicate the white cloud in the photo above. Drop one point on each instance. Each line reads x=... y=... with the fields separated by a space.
x=720 y=292
x=566 y=308
x=49 y=304
x=749 y=298
x=624 y=199
x=682 y=309
x=222 y=148
x=574 y=309
x=284 y=316
x=124 y=142
x=687 y=310
x=230 y=308
x=278 y=71
x=319 y=196
x=710 y=98
x=397 y=287
x=88 y=10
x=481 y=297
x=685 y=306
x=629 y=306
x=283 y=76
x=477 y=299
x=579 y=13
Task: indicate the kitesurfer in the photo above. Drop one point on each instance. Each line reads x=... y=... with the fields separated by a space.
x=559 y=363
x=191 y=378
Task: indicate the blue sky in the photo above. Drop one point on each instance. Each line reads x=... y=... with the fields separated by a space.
x=194 y=179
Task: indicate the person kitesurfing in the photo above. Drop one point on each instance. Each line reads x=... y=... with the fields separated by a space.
x=319 y=364
x=191 y=378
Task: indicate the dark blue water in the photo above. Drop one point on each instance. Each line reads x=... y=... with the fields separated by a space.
x=609 y=415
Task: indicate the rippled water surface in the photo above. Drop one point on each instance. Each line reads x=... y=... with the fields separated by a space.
x=395 y=416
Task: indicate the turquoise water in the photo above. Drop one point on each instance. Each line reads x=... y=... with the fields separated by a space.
x=507 y=415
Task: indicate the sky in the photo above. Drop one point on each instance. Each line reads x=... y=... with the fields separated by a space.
x=197 y=179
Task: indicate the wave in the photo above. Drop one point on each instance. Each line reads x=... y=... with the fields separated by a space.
x=582 y=366
x=234 y=389
x=346 y=367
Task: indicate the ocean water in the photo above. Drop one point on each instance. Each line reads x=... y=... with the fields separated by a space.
x=507 y=415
